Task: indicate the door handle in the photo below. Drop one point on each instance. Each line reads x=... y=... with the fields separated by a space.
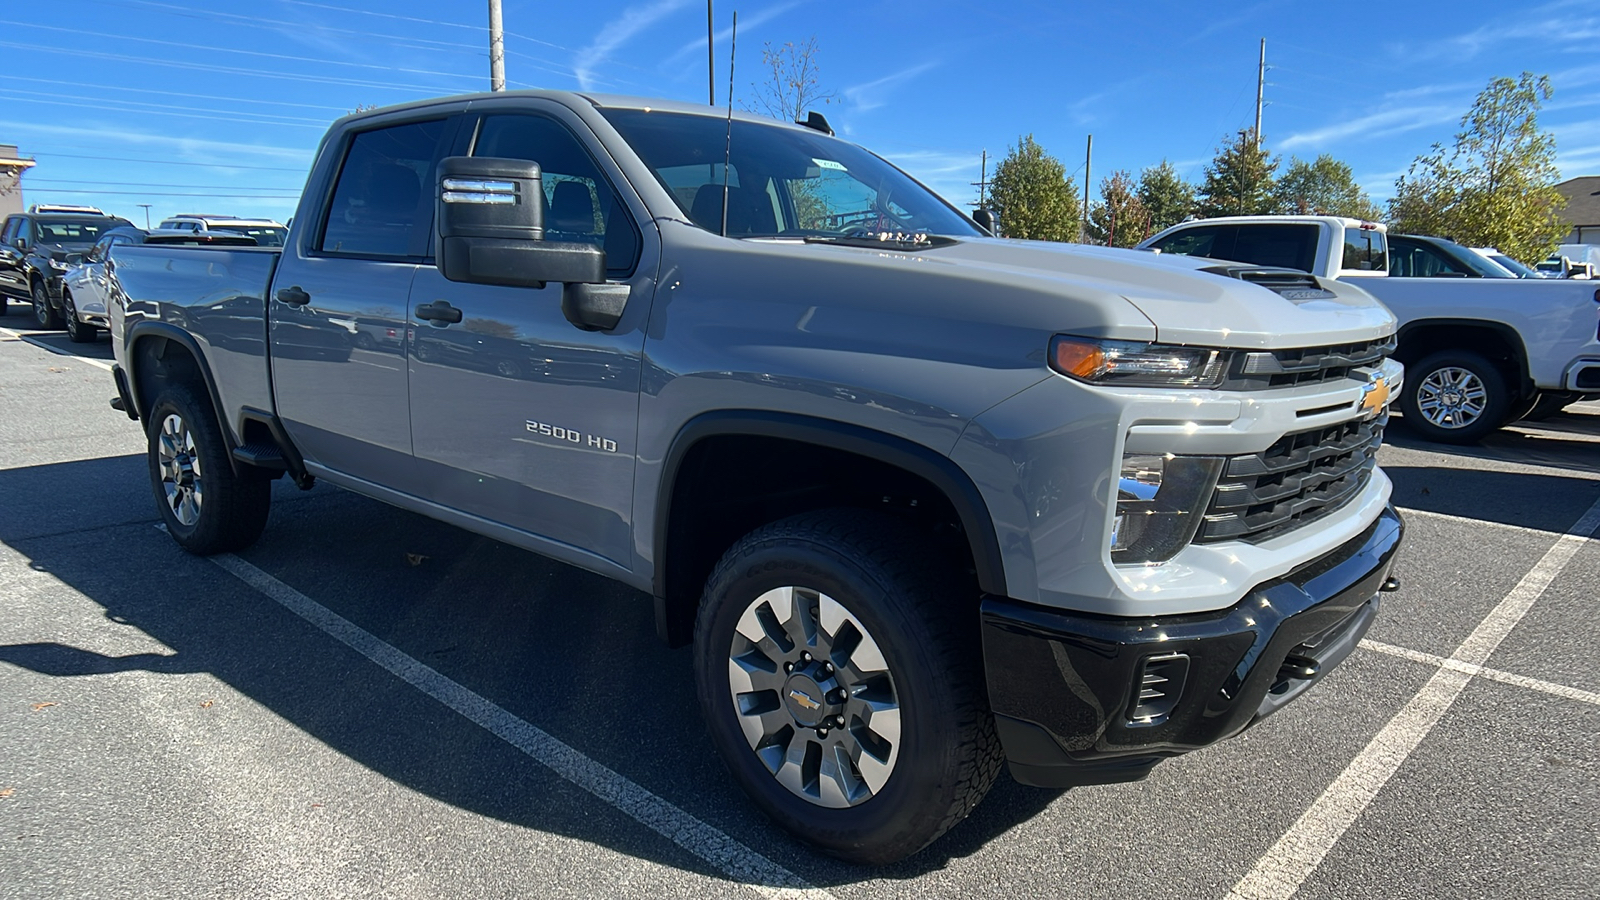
x=439 y=312
x=293 y=296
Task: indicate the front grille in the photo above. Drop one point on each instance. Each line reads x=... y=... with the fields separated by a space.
x=1299 y=479
x=1305 y=365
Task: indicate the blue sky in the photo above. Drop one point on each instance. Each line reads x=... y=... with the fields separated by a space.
x=124 y=102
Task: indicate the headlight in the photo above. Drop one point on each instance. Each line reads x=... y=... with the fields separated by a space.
x=1160 y=498
x=58 y=265
x=1137 y=364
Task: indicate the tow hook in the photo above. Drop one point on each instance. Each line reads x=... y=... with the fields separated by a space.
x=1390 y=585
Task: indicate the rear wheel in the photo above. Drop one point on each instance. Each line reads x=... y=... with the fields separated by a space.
x=80 y=332
x=207 y=507
x=1455 y=397
x=42 y=313
x=841 y=680
x=1550 y=404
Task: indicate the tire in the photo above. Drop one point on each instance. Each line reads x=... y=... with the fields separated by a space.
x=1455 y=397
x=43 y=315
x=920 y=744
x=78 y=331
x=4 y=304
x=206 y=507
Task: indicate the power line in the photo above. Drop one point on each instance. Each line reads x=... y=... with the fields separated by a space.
x=169 y=162
x=268 y=118
x=160 y=112
x=191 y=96
x=151 y=194
x=279 y=25
x=221 y=187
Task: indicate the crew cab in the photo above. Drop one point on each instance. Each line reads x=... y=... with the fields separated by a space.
x=34 y=247
x=923 y=501
x=1480 y=352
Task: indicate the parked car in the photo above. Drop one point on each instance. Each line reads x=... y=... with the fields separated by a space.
x=266 y=232
x=1479 y=351
x=922 y=500
x=1514 y=266
x=86 y=284
x=1421 y=256
x=33 y=256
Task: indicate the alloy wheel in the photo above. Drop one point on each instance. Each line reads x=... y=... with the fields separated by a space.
x=180 y=470
x=1452 y=397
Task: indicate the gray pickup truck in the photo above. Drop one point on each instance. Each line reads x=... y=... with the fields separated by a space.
x=923 y=500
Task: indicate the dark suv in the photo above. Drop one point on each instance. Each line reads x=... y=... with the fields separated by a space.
x=33 y=257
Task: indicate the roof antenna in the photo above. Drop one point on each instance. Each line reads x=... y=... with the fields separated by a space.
x=727 y=147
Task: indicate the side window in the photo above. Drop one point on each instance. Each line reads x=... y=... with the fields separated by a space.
x=1198 y=241
x=10 y=230
x=580 y=204
x=1418 y=260
x=381 y=203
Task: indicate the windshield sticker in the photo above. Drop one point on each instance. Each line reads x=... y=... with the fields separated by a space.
x=829 y=164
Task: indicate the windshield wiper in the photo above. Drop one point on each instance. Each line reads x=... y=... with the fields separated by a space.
x=899 y=240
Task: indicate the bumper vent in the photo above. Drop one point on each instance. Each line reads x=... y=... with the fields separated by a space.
x=1158 y=688
x=1299 y=479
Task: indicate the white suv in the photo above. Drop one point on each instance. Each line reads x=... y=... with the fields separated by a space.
x=266 y=232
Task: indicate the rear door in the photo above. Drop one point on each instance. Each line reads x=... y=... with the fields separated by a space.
x=346 y=405
x=12 y=280
x=517 y=416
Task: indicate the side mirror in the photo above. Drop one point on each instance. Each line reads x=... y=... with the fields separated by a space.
x=21 y=243
x=988 y=220
x=491 y=228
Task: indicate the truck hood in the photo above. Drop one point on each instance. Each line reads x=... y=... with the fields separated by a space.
x=1186 y=304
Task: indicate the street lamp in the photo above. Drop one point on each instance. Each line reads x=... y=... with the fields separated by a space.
x=146 y=215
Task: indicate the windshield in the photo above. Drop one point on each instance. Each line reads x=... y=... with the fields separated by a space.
x=1484 y=268
x=77 y=231
x=785 y=182
x=1514 y=266
x=265 y=235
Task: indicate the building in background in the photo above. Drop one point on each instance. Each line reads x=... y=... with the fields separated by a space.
x=11 y=168
x=1583 y=209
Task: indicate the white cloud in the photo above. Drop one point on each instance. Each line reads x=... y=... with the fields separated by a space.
x=1383 y=124
x=618 y=32
x=188 y=148
x=874 y=94
x=698 y=45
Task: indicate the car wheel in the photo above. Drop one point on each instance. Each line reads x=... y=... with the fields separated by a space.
x=207 y=507
x=1455 y=397
x=79 y=331
x=42 y=313
x=840 y=676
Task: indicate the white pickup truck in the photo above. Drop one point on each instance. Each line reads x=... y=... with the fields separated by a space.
x=1479 y=352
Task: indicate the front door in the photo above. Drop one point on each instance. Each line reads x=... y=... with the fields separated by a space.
x=517 y=415
x=343 y=398
x=12 y=279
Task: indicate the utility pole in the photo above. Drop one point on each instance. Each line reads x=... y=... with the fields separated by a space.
x=497 y=49
x=983 y=178
x=1083 y=224
x=146 y=215
x=1261 y=89
x=711 y=60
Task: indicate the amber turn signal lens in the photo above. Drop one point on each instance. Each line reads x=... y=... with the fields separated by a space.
x=1080 y=358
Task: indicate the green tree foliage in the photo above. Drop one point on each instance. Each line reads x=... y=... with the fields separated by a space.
x=1496 y=187
x=1239 y=181
x=1165 y=196
x=1033 y=195
x=1323 y=187
x=1119 y=219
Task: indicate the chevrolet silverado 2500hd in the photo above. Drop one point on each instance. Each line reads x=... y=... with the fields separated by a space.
x=924 y=501
x=1479 y=352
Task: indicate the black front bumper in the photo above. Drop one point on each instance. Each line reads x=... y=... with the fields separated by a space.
x=1066 y=687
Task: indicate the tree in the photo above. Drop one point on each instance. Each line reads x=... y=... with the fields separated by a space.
x=1119 y=219
x=1239 y=180
x=1497 y=185
x=1165 y=196
x=1323 y=187
x=1033 y=195
x=792 y=87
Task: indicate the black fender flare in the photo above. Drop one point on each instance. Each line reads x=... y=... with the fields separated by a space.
x=145 y=330
x=930 y=465
x=1509 y=334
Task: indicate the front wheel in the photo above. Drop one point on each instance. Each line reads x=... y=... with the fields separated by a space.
x=79 y=331
x=42 y=313
x=1455 y=397
x=841 y=680
x=207 y=507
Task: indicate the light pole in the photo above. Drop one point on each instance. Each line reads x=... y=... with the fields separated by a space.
x=146 y=215
x=497 y=49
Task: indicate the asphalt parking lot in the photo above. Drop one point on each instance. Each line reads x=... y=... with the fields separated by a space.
x=371 y=704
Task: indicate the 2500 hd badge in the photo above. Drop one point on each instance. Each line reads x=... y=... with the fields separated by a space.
x=572 y=435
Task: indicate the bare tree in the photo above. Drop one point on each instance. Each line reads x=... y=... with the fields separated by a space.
x=792 y=86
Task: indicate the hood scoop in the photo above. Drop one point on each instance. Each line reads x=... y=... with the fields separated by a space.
x=1290 y=284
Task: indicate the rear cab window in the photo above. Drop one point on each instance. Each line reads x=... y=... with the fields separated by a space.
x=1365 y=250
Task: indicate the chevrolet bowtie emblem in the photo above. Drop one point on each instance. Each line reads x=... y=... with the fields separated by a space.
x=802 y=698
x=1376 y=396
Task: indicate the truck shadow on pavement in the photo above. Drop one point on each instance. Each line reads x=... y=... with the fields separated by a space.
x=567 y=651
x=1533 y=500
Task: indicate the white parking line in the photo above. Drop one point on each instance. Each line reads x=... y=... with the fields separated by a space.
x=1464 y=520
x=1284 y=867
x=738 y=862
x=1523 y=681
x=56 y=350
